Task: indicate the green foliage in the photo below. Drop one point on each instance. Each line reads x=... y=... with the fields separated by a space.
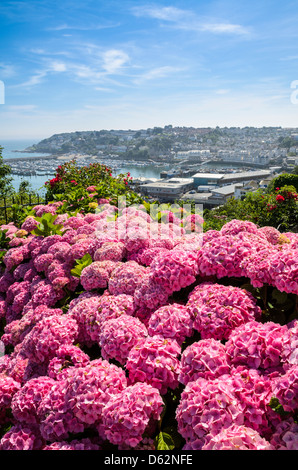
x=287 y=142
x=4 y=240
x=285 y=179
x=46 y=226
x=72 y=186
x=80 y=264
x=6 y=187
x=164 y=441
x=277 y=208
x=4 y=244
x=277 y=407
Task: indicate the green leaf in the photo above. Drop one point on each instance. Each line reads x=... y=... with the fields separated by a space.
x=81 y=264
x=276 y=406
x=280 y=297
x=164 y=441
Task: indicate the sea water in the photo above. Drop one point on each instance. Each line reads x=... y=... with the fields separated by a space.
x=37 y=182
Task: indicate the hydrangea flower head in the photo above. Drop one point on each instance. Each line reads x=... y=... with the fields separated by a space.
x=127 y=414
x=217 y=309
x=155 y=361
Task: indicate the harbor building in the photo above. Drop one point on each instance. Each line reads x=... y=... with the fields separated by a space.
x=167 y=190
x=220 y=179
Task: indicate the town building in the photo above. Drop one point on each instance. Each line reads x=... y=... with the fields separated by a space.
x=167 y=190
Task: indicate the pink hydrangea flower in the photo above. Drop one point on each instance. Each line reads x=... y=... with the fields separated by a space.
x=253 y=391
x=47 y=336
x=29 y=224
x=113 y=306
x=290 y=345
x=237 y=437
x=85 y=312
x=43 y=293
x=75 y=403
x=222 y=255
x=43 y=261
x=257 y=265
x=8 y=388
x=285 y=435
x=150 y=294
x=126 y=278
x=22 y=437
x=134 y=237
x=41 y=209
x=11 y=229
x=171 y=321
x=91 y=387
x=285 y=389
x=15 y=332
x=80 y=248
x=91 y=189
x=97 y=274
x=14 y=366
x=206 y=407
x=26 y=401
x=206 y=358
x=176 y=271
x=127 y=415
x=76 y=444
x=236 y=226
x=113 y=251
x=271 y=233
x=67 y=357
x=6 y=279
x=209 y=406
x=217 y=309
x=25 y=271
x=55 y=415
x=15 y=256
x=147 y=255
x=256 y=345
x=119 y=335
x=155 y=361
x=283 y=269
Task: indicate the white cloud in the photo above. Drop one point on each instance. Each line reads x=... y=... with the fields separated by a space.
x=6 y=70
x=34 y=80
x=156 y=73
x=189 y=20
x=113 y=60
x=58 y=67
x=164 y=13
x=225 y=28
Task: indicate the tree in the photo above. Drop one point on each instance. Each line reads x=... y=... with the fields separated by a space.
x=6 y=187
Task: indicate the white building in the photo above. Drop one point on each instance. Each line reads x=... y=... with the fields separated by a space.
x=167 y=190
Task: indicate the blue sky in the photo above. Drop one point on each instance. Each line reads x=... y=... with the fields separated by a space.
x=122 y=64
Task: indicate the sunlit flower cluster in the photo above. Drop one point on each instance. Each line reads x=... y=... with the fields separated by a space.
x=122 y=318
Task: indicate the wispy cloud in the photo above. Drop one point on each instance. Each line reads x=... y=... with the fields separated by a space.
x=156 y=73
x=83 y=27
x=35 y=79
x=114 y=60
x=6 y=70
x=96 y=67
x=189 y=20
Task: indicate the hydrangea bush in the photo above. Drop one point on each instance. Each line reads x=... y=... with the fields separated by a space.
x=122 y=331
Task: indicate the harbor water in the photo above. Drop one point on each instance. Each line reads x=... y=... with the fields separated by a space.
x=12 y=149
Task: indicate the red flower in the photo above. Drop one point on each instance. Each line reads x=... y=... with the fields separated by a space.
x=280 y=198
x=73 y=181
